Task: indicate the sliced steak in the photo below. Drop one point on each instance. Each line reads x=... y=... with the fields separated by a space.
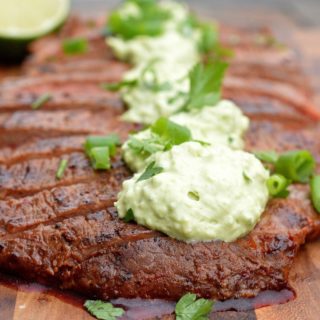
x=66 y=232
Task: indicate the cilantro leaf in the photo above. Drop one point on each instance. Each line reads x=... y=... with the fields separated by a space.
x=205 y=85
x=170 y=132
x=145 y=146
x=129 y=216
x=150 y=20
x=189 y=308
x=103 y=310
x=150 y=171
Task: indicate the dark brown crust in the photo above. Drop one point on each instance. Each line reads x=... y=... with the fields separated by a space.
x=66 y=232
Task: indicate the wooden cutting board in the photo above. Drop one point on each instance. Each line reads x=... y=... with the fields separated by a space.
x=24 y=304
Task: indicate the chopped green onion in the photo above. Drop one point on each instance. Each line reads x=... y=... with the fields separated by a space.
x=297 y=166
x=75 y=45
x=315 y=192
x=61 y=169
x=171 y=132
x=100 y=158
x=150 y=172
x=277 y=186
x=116 y=86
x=129 y=216
x=40 y=101
x=110 y=141
x=267 y=156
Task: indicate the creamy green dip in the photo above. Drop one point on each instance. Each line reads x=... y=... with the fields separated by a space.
x=204 y=193
x=174 y=54
x=223 y=124
x=145 y=104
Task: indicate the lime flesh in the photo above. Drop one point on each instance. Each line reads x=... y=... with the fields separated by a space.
x=22 y=21
x=29 y=19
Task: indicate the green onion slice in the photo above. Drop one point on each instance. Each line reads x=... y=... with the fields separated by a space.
x=277 y=186
x=100 y=158
x=116 y=86
x=267 y=156
x=315 y=192
x=61 y=169
x=110 y=141
x=170 y=132
x=40 y=101
x=297 y=166
x=75 y=45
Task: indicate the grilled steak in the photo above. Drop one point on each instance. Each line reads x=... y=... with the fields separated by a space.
x=66 y=232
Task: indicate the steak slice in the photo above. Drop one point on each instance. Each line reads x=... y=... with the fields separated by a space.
x=66 y=232
x=99 y=255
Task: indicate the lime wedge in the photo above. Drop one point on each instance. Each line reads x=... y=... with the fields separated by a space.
x=24 y=20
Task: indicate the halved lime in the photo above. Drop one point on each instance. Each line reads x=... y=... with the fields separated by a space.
x=24 y=20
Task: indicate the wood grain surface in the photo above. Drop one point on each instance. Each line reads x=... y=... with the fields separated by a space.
x=22 y=304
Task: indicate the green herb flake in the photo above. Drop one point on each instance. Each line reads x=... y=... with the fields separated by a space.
x=116 y=86
x=61 y=169
x=129 y=216
x=145 y=146
x=205 y=85
x=75 y=46
x=150 y=20
x=194 y=195
x=103 y=310
x=189 y=308
x=150 y=172
x=41 y=100
x=246 y=177
x=170 y=132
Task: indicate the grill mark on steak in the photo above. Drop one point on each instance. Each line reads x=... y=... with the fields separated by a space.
x=282 y=92
x=35 y=175
x=53 y=206
x=20 y=127
x=41 y=148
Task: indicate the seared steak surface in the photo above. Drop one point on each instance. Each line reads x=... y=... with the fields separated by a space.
x=66 y=232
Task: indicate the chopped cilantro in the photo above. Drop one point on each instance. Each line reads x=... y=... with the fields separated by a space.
x=129 y=216
x=170 y=132
x=150 y=20
x=103 y=310
x=150 y=171
x=145 y=146
x=189 y=308
x=205 y=85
